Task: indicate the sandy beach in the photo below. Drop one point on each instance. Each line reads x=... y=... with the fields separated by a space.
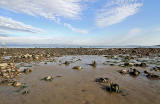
x=72 y=86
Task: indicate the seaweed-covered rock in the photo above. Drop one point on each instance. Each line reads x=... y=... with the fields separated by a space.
x=113 y=87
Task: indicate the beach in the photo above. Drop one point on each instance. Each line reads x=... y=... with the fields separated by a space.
x=69 y=75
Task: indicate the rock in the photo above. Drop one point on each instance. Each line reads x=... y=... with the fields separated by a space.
x=26 y=56
x=77 y=67
x=105 y=63
x=7 y=82
x=25 y=92
x=152 y=76
x=94 y=64
x=102 y=80
x=109 y=85
x=146 y=72
x=66 y=62
x=11 y=64
x=143 y=65
x=123 y=71
x=156 y=68
x=27 y=70
x=19 y=70
x=128 y=64
x=48 y=55
x=16 y=84
x=3 y=65
x=48 y=78
x=54 y=60
x=134 y=72
x=114 y=88
x=36 y=57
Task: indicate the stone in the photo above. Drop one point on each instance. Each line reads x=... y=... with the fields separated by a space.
x=66 y=62
x=16 y=84
x=77 y=67
x=123 y=71
x=27 y=70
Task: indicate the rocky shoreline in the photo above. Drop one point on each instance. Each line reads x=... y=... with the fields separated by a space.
x=80 y=51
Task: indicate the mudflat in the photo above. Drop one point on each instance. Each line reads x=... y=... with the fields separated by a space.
x=48 y=76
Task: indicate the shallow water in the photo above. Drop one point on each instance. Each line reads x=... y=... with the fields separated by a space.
x=79 y=87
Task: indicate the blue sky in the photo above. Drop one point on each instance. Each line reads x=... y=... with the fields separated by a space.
x=80 y=22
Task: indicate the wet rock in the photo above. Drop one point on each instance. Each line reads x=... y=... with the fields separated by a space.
x=128 y=64
x=123 y=71
x=6 y=82
x=25 y=92
x=48 y=78
x=134 y=72
x=109 y=56
x=143 y=65
x=27 y=70
x=77 y=67
x=152 y=76
x=17 y=84
x=108 y=84
x=94 y=64
x=146 y=72
x=102 y=80
x=156 y=68
x=113 y=87
x=67 y=63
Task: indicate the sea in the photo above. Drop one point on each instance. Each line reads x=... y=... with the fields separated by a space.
x=71 y=46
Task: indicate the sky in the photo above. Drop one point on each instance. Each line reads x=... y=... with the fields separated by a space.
x=80 y=22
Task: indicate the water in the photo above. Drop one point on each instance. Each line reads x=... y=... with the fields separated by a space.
x=73 y=46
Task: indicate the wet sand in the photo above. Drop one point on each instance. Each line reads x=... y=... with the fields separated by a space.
x=79 y=87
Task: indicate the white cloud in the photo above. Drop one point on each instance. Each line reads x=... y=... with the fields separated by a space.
x=10 y=24
x=115 y=11
x=135 y=36
x=3 y=33
x=50 y=9
x=82 y=31
x=131 y=35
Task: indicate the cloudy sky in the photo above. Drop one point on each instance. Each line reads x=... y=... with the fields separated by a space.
x=80 y=22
